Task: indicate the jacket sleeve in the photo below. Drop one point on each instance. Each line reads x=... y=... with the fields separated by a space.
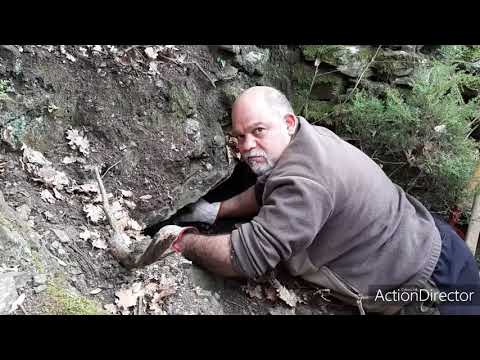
x=293 y=212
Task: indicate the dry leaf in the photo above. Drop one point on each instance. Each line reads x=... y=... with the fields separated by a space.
x=130 y=204
x=132 y=224
x=86 y=235
x=57 y=194
x=62 y=235
x=71 y=159
x=289 y=297
x=49 y=176
x=126 y=193
x=94 y=213
x=146 y=197
x=99 y=244
x=95 y=291
x=99 y=199
x=126 y=298
x=151 y=52
x=78 y=141
x=111 y=308
x=47 y=196
x=33 y=156
x=87 y=188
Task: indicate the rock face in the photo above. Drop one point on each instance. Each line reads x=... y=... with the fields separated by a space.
x=154 y=120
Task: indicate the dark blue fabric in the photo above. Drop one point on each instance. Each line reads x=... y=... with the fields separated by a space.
x=456 y=270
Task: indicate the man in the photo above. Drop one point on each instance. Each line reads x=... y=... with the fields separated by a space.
x=325 y=210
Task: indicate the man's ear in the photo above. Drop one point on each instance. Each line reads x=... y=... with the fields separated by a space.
x=291 y=121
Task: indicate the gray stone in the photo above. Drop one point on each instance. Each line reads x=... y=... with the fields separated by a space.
x=39 y=279
x=254 y=61
x=476 y=65
x=8 y=293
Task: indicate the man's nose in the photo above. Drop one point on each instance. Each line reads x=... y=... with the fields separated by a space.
x=249 y=143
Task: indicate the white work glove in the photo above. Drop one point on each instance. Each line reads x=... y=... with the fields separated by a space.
x=168 y=237
x=201 y=211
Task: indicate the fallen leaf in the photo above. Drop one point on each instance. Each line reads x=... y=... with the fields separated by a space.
x=146 y=197
x=126 y=298
x=33 y=156
x=289 y=297
x=132 y=224
x=47 y=196
x=151 y=52
x=62 y=235
x=72 y=159
x=61 y=262
x=57 y=194
x=99 y=244
x=111 y=308
x=49 y=176
x=87 y=188
x=94 y=213
x=98 y=198
x=87 y=234
x=126 y=193
x=78 y=141
x=130 y=204
x=95 y=291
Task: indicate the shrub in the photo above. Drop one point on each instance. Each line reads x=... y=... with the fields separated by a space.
x=423 y=132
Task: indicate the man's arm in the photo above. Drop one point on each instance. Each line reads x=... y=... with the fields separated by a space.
x=241 y=205
x=210 y=252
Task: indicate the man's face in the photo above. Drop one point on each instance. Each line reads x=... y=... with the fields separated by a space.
x=262 y=135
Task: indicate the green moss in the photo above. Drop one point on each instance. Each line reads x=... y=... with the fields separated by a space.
x=181 y=101
x=37 y=263
x=62 y=302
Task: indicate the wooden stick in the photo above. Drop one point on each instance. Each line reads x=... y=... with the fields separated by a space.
x=474 y=226
x=117 y=247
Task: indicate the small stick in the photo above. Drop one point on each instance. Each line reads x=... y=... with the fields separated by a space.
x=105 y=173
x=204 y=72
x=118 y=249
x=363 y=73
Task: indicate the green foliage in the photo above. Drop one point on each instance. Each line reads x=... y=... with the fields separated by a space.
x=426 y=130
x=460 y=53
x=325 y=53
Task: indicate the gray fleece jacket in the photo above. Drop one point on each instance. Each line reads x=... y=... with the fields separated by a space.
x=333 y=217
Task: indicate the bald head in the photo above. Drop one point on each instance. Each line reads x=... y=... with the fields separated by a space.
x=263 y=123
x=266 y=97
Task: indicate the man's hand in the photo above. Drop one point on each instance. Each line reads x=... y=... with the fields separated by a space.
x=201 y=211
x=168 y=237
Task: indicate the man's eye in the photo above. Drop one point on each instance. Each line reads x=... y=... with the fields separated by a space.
x=258 y=131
